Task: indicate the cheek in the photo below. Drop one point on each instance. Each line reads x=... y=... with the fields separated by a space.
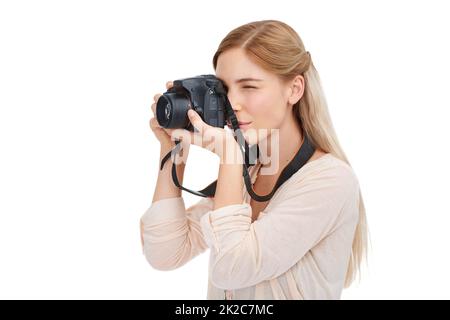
x=265 y=111
x=255 y=105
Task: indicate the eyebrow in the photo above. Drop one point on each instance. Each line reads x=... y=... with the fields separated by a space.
x=241 y=80
x=247 y=79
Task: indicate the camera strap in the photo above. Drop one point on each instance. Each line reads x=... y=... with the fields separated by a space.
x=250 y=154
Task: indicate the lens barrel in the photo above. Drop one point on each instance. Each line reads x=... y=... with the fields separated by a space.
x=171 y=111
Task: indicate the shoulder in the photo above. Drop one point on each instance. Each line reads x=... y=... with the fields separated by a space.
x=328 y=165
x=326 y=175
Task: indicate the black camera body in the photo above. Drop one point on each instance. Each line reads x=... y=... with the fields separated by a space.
x=205 y=94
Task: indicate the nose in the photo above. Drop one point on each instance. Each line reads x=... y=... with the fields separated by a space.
x=236 y=107
x=234 y=103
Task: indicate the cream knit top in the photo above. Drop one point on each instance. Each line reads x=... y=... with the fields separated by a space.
x=298 y=248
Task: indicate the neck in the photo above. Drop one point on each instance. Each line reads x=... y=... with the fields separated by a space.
x=283 y=147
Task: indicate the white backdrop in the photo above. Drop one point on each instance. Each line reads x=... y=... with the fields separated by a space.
x=78 y=161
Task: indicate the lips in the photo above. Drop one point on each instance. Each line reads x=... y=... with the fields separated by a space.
x=241 y=123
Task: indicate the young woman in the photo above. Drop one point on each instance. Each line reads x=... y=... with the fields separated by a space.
x=308 y=240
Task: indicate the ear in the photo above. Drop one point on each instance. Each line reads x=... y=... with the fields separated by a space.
x=297 y=88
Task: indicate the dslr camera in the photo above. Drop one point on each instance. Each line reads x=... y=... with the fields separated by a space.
x=205 y=94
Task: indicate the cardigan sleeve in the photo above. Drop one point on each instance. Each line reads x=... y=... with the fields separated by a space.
x=246 y=253
x=172 y=235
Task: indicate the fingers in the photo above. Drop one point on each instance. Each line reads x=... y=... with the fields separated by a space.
x=156 y=97
x=154 y=123
x=155 y=100
x=196 y=121
x=169 y=84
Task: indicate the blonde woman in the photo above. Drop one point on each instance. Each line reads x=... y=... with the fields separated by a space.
x=308 y=240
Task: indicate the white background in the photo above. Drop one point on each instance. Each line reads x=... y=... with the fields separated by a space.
x=78 y=161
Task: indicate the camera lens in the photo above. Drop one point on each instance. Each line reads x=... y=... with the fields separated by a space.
x=171 y=111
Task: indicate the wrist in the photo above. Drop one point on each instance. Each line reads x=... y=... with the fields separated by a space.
x=180 y=158
x=163 y=151
x=164 y=148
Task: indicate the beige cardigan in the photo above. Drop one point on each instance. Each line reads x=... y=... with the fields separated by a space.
x=298 y=248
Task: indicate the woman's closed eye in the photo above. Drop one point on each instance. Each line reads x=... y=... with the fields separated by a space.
x=249 y=87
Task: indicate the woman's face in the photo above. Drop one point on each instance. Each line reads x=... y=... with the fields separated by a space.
x=257 y=96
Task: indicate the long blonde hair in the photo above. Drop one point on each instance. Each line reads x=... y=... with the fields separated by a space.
x=276 y=47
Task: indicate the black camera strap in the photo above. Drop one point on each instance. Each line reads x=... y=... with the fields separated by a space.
x=250 y=154
x=209 y=191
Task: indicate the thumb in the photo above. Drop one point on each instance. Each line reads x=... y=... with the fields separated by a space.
x=195 y=119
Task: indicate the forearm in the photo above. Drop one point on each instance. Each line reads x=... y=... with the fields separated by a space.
x=230 y=180
x=165 y=188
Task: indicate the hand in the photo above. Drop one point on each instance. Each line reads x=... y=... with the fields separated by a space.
x=162 y=134
x=214 y=139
